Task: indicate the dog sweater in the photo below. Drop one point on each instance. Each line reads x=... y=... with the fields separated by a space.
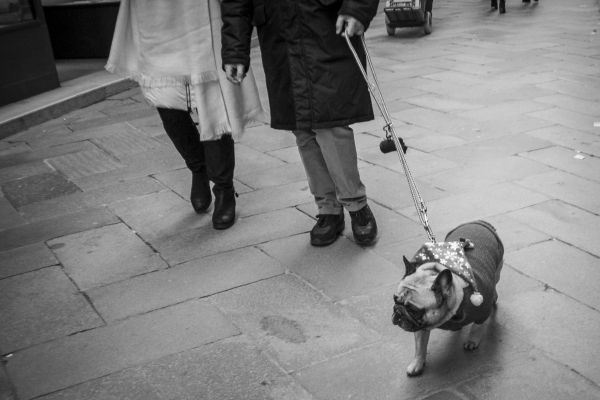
x=485 y=257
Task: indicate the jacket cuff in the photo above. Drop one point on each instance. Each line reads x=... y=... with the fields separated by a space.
x=363 y=11
x=244 y=61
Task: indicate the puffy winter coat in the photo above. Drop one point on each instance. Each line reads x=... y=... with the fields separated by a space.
x=312 y=78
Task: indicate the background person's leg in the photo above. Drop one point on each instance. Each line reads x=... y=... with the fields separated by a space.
x=220 y=165
x=183 y=133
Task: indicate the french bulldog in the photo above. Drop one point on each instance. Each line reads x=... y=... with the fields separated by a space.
x=450 y=285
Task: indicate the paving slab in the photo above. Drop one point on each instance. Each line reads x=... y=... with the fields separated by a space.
x=481 y=172
x=500 y=147
x=75 y=359
x=249 y=159
x=194 y=279
x=390 y=188
x=137 y=166
x=79 y=165
x=565 y=222
x=340 y=270
x=50 y=228
x=570 y=103
x=566 y=187
x=497 y=199
x=41 y=306
x=536 y=376
x=94 y=198
x=128 y=142
x=516 y=235
x=229 y=369
x=430 y=142
x=287 y=173
x=101 y=256
x=41 y=138
x=571 y=119
x=545 y=262
x=6 y=389
x=567 y=160
x=574 y=89
x=205 y=241
x=379 y=371
x=180 y=181
x=292 y=322
x=578 y=141
x=25 y=259
x=37 y=188
x=274 y=198
x=8 y=215
x=159 y=214
x=561 y=327
x=28 y=154
x=21 y=171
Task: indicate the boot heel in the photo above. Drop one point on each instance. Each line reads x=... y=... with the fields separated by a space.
x=224 y=212
x=200 y=195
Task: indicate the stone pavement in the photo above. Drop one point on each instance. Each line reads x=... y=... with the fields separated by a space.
x=112 y=288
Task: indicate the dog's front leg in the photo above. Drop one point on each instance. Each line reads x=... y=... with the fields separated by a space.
x=474 y=338
x=416 y=367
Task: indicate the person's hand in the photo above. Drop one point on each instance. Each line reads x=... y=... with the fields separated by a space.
x=235 y=73
x=350 y=25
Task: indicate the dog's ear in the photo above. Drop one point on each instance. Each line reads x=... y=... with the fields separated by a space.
x=409 y=268
x=442 y=285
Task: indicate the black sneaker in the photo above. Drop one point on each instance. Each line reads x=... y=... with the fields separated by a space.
x=327 y=229
x=364 y=226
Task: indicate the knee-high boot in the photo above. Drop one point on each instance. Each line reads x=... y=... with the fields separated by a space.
x=185 y=137
x=220 y=164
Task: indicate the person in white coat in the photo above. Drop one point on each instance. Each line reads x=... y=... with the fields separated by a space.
x=169 y=48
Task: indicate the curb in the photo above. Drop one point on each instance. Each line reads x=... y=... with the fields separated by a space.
x=74 y=95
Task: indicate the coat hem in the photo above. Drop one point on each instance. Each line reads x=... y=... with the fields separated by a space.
x=322 y=125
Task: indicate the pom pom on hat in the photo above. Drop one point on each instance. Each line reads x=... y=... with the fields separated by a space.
x=476 y=299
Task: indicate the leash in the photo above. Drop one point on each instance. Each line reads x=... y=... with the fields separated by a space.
x=391 y=135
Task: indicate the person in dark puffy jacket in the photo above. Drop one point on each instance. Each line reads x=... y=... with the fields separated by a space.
x=315 y=90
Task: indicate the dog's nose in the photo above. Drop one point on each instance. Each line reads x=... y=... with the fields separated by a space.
x=396 y=299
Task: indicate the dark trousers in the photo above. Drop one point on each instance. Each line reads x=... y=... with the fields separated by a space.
x=214 y=158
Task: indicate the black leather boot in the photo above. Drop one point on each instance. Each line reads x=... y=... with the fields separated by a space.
x=364 y=226
x=200 y=196
x=224 y=212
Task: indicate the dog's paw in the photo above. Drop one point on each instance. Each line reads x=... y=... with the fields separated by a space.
x=415 y=368
x=471 y=345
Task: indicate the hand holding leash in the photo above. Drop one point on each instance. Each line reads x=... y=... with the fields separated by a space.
x=349 y=25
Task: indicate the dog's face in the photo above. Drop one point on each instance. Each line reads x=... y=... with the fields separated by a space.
x=424 y=298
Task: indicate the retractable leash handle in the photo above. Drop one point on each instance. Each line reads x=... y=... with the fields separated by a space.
x=390 y=134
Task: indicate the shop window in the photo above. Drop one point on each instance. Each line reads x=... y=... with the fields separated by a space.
x=13 y=12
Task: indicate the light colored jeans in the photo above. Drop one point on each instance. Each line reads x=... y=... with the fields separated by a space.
x=330 y=162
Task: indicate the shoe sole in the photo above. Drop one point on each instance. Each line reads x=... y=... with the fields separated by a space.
x=318 y=243
x=365 y=242
x=223 y=226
